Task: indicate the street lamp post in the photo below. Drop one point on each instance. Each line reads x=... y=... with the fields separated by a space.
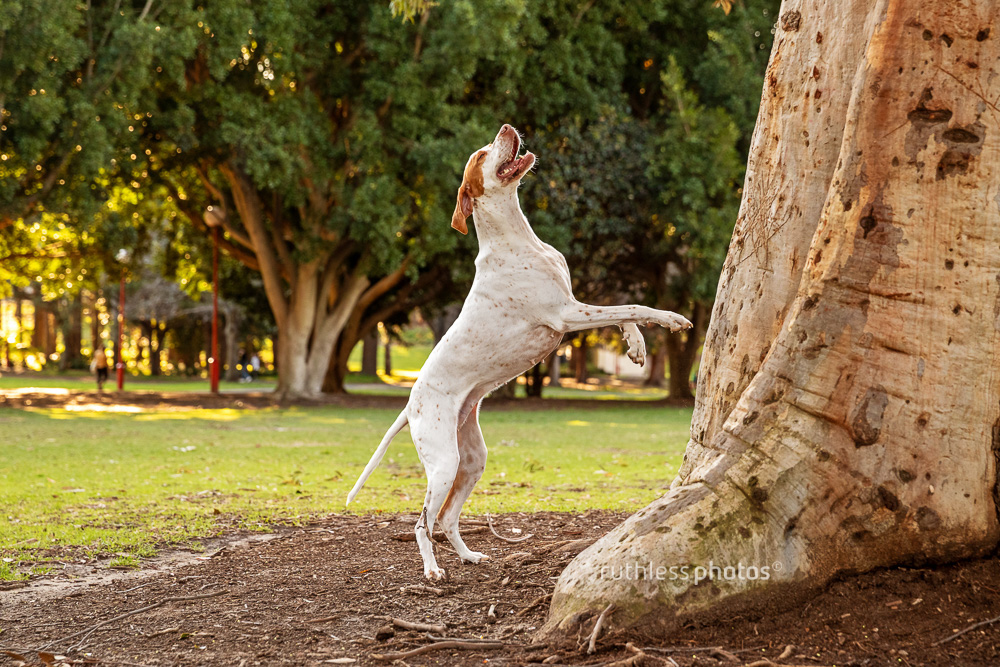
x=213 y=218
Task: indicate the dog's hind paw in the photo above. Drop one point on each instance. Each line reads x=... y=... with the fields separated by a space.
x=435 y=574
x=474 y=557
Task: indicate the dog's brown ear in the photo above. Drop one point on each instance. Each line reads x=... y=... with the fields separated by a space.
x=463 y=209
x=472 y=187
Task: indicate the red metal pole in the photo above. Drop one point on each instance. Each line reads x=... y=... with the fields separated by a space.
x=120 y=366
x=214 y=362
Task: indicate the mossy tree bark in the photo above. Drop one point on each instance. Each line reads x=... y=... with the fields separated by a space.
x=848 y=408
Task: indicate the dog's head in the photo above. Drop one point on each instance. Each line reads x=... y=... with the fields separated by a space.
x=491 y=169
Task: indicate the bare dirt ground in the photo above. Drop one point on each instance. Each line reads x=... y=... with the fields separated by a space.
x=326 y=594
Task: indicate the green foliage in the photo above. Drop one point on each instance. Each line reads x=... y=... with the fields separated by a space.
x=351 y=127
x=642 y=195
x=70 y=70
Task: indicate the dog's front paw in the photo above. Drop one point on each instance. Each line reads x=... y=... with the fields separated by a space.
x=677 y=323
x=474 y=557
x=636 y=344
x=435 y=574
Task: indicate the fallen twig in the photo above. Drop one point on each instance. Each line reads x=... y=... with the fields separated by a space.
x=509 y=540
x=420 y=589
x=722 y=654
x=410 y=536
x=135 y=588
x=491 y=615
x=165 y=631
x=439 y=628
x=635 y=660
x=435 y=638
x=962 y=632
x=436 y=647
x=787 y=653
x=678 y=649
x=89 y=631
x=325 y=619
x=534 y=603
x=592 y=645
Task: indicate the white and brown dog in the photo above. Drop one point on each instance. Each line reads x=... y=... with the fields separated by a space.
x=520 y=305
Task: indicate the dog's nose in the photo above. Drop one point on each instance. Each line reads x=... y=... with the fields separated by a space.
x=505 y=129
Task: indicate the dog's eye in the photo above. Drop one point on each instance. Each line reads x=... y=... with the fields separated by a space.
x=481 y=157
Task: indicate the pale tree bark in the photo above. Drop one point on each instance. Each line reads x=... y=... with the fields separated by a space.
x=313 y=300
x=848 y=408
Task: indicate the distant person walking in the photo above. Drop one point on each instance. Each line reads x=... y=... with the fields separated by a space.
x=244 y=366
x=254 y=366
x=101 y=367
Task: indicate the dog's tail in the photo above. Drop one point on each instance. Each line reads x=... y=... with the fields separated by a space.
x=396 y=427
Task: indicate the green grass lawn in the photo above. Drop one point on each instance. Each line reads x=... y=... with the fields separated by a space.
x=127 y=483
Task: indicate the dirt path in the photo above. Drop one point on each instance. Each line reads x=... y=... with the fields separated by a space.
x=317 y=595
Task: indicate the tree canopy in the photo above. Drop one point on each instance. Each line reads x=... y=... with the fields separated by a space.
x=327 y=139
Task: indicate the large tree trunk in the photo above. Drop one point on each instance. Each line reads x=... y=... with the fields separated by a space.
x=553 y=369
x=320 y=295
x=156 y=338
x=682 y=349
x=231 y=334
x=72 y=335
x=834 y=429
x=387 y=357
x=369 y=354
x=579 y=358
x=370 y=310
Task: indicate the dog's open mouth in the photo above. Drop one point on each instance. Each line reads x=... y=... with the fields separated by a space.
x=514 y=167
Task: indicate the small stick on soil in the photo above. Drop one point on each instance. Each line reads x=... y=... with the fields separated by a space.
x=508 y=540
x=491 y=615
x=421 y=589
x=135 y=588
x=325 y=619
x=411 y=537
x=962 y=632
x=722 y=654
x=436 y=647
x=435 y=638
x=534 y=603
x=679 y=649
x=89 y=631
x=592 y=645
x=637 y=658
x=787 y=653
x=165 y=631
x=439 y=628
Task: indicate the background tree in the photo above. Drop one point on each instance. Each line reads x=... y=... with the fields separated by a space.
x=319 y=130
x=61 y=120
x=830 y=434
x=642 y=194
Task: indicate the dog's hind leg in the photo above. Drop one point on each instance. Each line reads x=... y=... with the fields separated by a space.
x=437 y=446
x=472 y=463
